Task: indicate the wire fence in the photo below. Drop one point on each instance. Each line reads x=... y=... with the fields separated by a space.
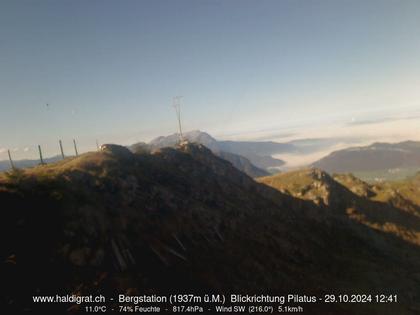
x=14 y=164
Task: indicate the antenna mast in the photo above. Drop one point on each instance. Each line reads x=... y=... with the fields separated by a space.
x=177 y=106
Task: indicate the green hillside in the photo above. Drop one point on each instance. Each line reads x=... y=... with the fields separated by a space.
x=184 y=220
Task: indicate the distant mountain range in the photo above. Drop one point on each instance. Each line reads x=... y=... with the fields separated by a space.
x=379 y=161
x=252 y=158
x=375 y=157
x=257 y=152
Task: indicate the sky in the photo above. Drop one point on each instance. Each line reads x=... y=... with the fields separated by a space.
x=108 y=70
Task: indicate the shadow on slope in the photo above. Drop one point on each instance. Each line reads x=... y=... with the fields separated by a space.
x=185 y=221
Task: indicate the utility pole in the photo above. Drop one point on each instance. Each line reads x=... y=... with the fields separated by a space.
x=177 y=106
x=75 y=147
x=61 y=149
x=11 y=161
x=97 y=145
x=40 y=155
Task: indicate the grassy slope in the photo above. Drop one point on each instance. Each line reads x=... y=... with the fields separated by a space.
x=114 y=223
x=396 y=174
x=392 y=207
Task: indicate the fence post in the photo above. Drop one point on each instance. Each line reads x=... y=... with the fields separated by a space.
x=75 y=147
x=40 y=155
x=11 y=161
x=61 y=149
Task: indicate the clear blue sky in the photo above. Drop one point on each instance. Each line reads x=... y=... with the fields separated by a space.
x=109 y=69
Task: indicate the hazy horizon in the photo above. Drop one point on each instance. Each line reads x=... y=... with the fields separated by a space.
x=266 y=70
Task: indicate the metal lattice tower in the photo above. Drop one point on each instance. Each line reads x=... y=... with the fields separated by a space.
x=177 y=106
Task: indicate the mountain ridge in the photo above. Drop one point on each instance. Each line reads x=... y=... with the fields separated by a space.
x=377 y=156
x=383 y=207
x=183 y=219
x=258 y=153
